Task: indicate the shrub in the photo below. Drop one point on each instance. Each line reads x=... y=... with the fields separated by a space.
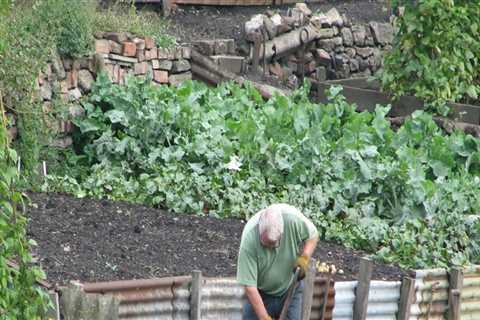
x=436 y=52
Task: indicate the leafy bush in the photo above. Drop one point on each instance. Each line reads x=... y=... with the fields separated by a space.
x=71 y=24
x=226 y=152
x=20 y=297
x=435 y=56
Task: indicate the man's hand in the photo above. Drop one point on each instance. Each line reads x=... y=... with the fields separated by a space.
x=267 y=318
x=302 y=263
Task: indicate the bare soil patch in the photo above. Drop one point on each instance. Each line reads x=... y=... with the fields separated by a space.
x=190 y=23
x=98 y=240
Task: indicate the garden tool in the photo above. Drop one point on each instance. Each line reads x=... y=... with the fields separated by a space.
x=290 y=292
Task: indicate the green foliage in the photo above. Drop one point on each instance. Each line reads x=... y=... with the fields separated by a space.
x=71 y=24
x=28 y=44
x=436 y=53
x=20 y=297
x=226 y=152
x=122 y=18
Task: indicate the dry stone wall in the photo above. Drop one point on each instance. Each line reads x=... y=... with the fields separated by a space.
x=117 y=54
x=335 y=48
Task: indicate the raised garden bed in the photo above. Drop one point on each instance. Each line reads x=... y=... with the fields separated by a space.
x=366 y=95
x=97 y=240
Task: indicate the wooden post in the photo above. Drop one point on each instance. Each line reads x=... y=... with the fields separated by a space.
x=454 y=293
x=325 y=296
x=309 y=284
x=407 y=294
x=196 y=296
x=362 y=290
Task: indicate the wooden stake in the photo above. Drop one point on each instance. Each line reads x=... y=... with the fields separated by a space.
x=309 y=283
x=196 y=296
x=407 y=294
x=362 y=290
x=454 y=293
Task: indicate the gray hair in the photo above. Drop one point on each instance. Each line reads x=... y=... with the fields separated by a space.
x=270 y=223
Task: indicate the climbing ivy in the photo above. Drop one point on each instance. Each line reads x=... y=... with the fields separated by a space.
x=20 y=297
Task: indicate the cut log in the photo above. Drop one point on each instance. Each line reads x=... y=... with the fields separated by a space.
x=289 y=41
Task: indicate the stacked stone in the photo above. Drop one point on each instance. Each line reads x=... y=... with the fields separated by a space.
x=117 y=54
x=222 y=52
x=342 y=50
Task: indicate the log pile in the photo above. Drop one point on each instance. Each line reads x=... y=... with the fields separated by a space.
x=321 y=46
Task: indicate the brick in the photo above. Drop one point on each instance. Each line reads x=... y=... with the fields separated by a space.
x=140 y=43
x=129 y=49
x=163 y=53
x=85 y=80
x=151 y=54
x=231 y=63
x=149 y=43
x=140 y=68
x=206 y=47
x=115 y=47
x=65 y=126
x=122 y=58
x=121 y=76
x=162 y=64
x=186 y=52
x=180 y=66
x=67 y=64
x=74 y=94
x=116 y=73
x=109 y=70
x=63 y=86
x=160 y=76
x=224 y=46
x=102 y=46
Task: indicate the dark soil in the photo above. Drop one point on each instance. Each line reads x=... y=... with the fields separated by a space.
x=98 y=240
x=191 y=23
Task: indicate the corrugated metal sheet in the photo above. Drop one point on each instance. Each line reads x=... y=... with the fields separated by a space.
x=318 y=297
x=222 y=299
x=431 y=295
x=165 y=298
x=344 y=298
x=382 y=300
x=470 y=298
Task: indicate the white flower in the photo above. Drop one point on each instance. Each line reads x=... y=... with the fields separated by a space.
x=234 y=164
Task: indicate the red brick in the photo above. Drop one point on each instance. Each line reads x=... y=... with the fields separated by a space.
x=140 y=43
x=149 y=43
x=160 y=76
x=151 y=54
x=121 y=76
x=102 y=46
x=140 y=68
x=129 y=49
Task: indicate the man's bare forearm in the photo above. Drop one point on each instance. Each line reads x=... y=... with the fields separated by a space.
x=256 y=301
x=309 y=246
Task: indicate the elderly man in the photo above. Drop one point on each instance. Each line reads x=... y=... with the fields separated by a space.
x=269 y=252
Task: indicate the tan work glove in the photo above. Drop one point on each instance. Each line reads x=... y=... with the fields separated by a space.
x=302 y=263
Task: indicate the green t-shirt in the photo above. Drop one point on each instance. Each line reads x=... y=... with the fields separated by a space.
x=271 y=270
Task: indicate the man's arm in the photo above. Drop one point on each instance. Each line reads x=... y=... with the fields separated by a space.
x=309 y=246
x=257 y=303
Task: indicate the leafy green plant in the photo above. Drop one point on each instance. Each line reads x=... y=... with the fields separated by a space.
x=426 y=60
x=20 y=297
x=226 y=152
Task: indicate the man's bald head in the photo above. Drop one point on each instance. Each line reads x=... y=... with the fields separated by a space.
x=270 y=226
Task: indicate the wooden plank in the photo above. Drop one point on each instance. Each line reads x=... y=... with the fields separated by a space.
x=196 y=296
x=362 y=290
x=407 y=295
x=454 y=293
x=309 y=283
x=225 y=2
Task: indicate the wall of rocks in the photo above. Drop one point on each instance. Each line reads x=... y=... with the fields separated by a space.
x=335 y=49
x=120 y=55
